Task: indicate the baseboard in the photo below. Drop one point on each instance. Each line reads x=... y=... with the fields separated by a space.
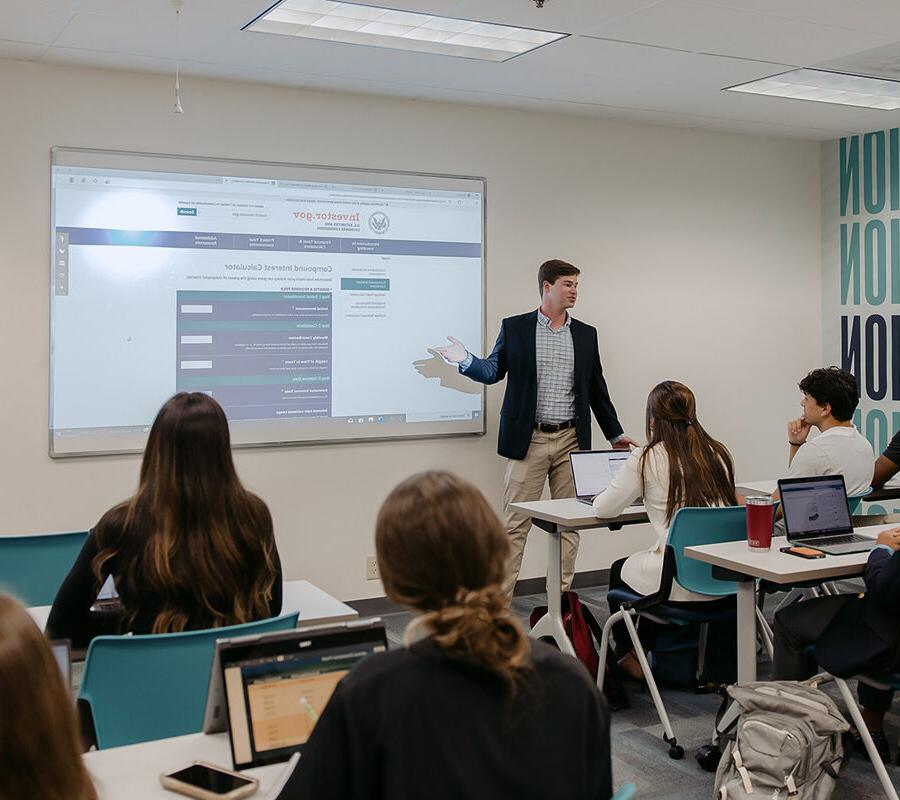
x=594 y=577
x=378 y=606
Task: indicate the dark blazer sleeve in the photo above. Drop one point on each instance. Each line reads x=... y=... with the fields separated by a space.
x=493 y=368
x=599 y=399
x=71 y=616
x=882 y=578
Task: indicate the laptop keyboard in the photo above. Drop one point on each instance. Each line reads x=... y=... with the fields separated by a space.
x=850 y=538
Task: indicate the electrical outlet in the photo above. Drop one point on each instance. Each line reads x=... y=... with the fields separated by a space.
x=371 y=569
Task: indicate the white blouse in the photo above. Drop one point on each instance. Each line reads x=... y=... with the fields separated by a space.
x=642 y=571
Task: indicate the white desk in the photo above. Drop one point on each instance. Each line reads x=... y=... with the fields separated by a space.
x=736 y=557
x=316 y=607
x=132 y=772
x=757 y=487
x=556 y=517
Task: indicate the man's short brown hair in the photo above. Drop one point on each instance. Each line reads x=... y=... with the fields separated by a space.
x=552 y=270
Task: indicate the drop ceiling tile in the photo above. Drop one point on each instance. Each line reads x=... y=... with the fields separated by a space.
x=700 y=27
x=20 y=51
x=874 y=16
x=35 y=21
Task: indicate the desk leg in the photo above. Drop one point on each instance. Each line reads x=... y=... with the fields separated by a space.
x=551 y=623
x=746 y=631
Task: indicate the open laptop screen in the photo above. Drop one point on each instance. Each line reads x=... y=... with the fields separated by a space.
x=592 y=470
x=815 y=506
x=275 y=698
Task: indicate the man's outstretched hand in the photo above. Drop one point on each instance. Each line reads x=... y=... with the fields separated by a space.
x=454 y=353
x=625 y=443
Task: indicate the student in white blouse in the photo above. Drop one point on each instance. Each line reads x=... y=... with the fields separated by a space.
x=682 y=465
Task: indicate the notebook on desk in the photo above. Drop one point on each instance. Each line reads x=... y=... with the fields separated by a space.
x=817 y=514
x=593 y=470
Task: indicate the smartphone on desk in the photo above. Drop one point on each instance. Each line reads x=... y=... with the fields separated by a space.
x=803 y=552
x=208 y=782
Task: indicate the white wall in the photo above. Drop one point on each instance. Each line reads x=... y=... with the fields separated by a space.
x=699 y=251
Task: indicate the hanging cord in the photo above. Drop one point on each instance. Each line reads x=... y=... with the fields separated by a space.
x=178 y=5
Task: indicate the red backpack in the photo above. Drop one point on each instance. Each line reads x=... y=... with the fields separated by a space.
x=583 y=630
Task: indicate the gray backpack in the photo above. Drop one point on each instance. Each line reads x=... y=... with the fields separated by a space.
x=787 y=745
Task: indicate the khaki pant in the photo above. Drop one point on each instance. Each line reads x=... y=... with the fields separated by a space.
x=547 y=457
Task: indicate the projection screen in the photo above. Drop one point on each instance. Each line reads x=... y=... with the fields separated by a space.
x=304 y=299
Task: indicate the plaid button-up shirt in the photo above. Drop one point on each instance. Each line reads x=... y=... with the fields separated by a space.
x=555 y=355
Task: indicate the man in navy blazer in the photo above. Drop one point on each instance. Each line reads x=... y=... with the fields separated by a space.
x=853 y=634
x=554 y=380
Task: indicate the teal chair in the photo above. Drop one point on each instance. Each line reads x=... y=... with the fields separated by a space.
x=154 y=686
x=33 y=567
x=690 y=527
x=625 y=793
x=855 y=500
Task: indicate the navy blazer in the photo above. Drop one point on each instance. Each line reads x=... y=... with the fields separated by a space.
x=514 y=357
x=865 y=634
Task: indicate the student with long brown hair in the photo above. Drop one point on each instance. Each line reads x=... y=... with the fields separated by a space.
x=191 y=549
x=40 y=751
x=681 y=466
x=470 y=707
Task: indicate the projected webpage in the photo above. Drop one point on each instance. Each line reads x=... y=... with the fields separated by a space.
x=306 y=308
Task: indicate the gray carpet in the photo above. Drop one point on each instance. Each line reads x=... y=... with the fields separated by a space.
x=639 y=754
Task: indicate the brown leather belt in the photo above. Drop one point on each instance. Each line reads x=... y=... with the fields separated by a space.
x=553 y=427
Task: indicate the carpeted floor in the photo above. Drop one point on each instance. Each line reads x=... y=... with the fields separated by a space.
x=639 y=754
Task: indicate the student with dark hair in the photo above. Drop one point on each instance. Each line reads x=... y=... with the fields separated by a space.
x=830 y=397
x=191 y=549
x=681 y=465
x=554 y=382
x=470 y=707
x=40 y=750
x=853 y=634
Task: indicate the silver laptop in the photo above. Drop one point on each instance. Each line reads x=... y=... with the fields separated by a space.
x=62 y=652
x=817 y=514
x=269 y=689
x=592 y=471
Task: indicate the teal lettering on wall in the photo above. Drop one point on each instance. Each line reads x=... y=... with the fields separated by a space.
x=874 y=172
x=849 y=172
x=876 y=262
x=849 y=262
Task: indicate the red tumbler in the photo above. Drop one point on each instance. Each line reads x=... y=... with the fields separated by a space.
x=760 y=521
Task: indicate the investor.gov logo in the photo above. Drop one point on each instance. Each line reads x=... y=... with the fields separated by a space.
x=379 y=222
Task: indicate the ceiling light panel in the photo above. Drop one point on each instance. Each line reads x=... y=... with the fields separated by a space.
x=820 y=86
x=353 y=23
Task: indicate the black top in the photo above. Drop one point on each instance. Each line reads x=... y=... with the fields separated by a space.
x=865 y=634
x=416 y=723
x=71 y=616
x=892 y=451
x=515 y=357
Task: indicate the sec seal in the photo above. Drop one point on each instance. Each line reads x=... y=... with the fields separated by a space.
x=379 y=222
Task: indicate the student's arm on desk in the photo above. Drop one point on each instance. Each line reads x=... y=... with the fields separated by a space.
x=622 y=491
x=885 y=469
x=882 y=574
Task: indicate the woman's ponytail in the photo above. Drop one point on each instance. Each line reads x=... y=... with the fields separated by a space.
x=442 y=550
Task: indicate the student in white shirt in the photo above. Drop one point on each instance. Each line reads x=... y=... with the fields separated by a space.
x=830 y=397
x=682 y=465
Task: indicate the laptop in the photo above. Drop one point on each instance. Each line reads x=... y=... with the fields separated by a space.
x=62 y=653
x=269 y=689
x=592 y=471
x=817 y=514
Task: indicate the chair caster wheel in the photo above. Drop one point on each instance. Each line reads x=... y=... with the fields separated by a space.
x=708 y=757
x=676 y=751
